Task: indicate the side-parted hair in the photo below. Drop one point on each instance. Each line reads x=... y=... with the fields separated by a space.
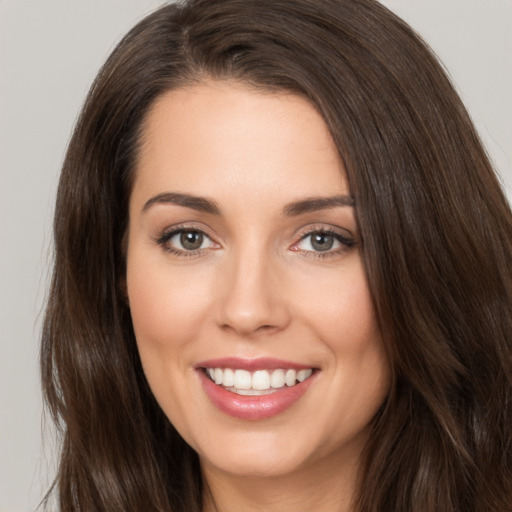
x=436 y=242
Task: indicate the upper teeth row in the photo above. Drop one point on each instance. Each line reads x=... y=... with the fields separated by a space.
x=259 y=380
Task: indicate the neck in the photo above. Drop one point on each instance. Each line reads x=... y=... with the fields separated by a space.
x=324 y=487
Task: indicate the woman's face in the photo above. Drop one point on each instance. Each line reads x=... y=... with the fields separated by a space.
x=244 y=266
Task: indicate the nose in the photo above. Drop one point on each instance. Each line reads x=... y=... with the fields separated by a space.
x=253 y=296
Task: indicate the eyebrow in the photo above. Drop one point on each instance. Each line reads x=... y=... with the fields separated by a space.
x=208 y=206
x=316 y=203
x=200 y=204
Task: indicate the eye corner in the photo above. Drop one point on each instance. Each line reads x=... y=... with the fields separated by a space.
x=295 y=247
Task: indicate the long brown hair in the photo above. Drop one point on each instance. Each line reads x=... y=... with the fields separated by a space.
x=437 y=247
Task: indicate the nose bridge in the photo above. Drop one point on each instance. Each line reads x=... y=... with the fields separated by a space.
x=251 y=301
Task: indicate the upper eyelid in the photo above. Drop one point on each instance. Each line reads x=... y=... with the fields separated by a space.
x=346 y=242
x=324 y=228
x=300 y=234
x=172 y=230
x=164 y=238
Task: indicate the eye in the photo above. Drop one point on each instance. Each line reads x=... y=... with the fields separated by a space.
x=323 y=242
x=189 y=240
x=182 y=241
x=319 y=242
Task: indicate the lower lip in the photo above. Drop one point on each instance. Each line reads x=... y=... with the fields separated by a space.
x=253 y=408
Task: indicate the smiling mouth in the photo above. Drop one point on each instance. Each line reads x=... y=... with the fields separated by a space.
x=256 y=383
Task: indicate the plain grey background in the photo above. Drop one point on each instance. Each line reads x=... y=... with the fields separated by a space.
x=50 y=51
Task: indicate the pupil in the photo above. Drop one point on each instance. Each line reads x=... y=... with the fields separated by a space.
x=322 y=242
x=191 y=240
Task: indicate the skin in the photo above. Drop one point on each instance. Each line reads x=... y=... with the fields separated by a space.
x=257 y=287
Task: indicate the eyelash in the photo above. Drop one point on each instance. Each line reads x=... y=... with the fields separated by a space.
x=166 y=236
x=345 y=242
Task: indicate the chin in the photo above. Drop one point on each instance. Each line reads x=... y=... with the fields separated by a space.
x=259 y=462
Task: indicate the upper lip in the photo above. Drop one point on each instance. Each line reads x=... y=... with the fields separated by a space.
x=260 y=363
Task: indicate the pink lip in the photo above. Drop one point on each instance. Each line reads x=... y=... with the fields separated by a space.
x=252 y=408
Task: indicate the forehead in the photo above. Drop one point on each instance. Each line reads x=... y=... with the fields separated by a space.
x=216 y=137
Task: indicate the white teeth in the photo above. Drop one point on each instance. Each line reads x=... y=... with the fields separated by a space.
x=251 y=392
x=229 y=378
x=261 y=380
x=290 y=377
x=302 y=375
x=258 y=382
x=242 y=379
x=277 y=379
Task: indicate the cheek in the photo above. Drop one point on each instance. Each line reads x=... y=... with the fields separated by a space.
x=362 y=368
x=343 y=316
x=357 y=341
x=165 y=304
x=341 y=310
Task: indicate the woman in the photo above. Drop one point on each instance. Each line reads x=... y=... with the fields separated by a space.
x=281 y=277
